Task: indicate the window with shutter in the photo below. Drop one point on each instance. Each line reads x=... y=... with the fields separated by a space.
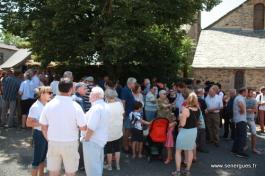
x=258 y=21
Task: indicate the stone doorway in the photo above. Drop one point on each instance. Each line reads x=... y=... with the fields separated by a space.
x=239 y=81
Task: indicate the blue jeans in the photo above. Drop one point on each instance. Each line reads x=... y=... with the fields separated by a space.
x=40 y=148
x=240 y=137
x=93 y=158
x=150 y=115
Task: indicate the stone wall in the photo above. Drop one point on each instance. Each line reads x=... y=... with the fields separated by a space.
x=223 y=76
x=240 y=18
x=195 y=29
x=253 y=77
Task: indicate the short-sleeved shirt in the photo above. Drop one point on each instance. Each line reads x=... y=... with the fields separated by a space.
x=127 y=96
x=251 y=104
x=115 y=121
x=27 y=90
x=237 y=117
x=214 y=102
x=151 y=102
x=10 y=88
x=179 y=101
x=36 y=82
x=35 y=112
x=135 y=118
x=97 y=120
x=261 y=99
x=63 y=117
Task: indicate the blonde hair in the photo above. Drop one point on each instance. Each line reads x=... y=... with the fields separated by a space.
x=192 y=100
x=41 y=90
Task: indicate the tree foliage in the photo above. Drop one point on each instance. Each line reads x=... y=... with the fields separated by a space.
x=11 y=39
x=129 y=36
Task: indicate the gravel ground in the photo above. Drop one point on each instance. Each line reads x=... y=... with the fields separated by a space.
x=16 y=155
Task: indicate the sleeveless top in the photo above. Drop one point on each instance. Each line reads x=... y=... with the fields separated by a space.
x=192 y=120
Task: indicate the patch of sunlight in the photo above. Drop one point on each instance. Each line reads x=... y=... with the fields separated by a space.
x=2 y=137
x=4 y=158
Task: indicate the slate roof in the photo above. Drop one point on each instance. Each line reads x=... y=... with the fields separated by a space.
x=224 y=48
x=17 y=58
x=9 y=47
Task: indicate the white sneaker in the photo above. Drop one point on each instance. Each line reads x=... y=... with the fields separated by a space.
x=118 y=167
x=109 y=168
x=105 y=166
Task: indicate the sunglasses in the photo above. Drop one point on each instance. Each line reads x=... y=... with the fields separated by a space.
x=50 y=93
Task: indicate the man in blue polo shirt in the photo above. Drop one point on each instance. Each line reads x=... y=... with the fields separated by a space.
x=128 y=102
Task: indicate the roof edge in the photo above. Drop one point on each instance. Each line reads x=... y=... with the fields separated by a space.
x=225 y=15
x=8 y=47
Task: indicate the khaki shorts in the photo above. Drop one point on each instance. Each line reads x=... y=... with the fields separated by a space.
x=252 y=127
x=63 y=151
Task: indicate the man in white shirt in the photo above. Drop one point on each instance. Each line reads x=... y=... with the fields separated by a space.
x=61 y=120
x=214 y=105
x=261 y=102
x=96 y=136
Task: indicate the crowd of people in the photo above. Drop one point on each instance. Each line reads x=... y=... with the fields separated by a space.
x=86 y=124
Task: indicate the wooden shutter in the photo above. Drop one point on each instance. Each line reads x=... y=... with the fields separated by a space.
x=258 y=20
x=239 y=79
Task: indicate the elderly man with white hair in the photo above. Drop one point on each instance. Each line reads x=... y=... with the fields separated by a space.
x=128 y=102
x=96 y=135
x=68 y=74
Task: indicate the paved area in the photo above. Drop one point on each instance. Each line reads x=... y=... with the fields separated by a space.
x=16 y=156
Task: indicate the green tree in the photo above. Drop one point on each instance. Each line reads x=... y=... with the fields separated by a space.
x=129 y=36
x=11 y=39
x=186 y=53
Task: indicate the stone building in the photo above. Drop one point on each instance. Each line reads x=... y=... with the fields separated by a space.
x=193 y=30
x=11 y=56
x=6 y=51
x=231 y=51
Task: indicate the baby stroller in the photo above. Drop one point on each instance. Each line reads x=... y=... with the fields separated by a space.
x=156 y=138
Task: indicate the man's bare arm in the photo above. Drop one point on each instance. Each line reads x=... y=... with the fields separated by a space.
x=88 y=134
x=44 y=129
